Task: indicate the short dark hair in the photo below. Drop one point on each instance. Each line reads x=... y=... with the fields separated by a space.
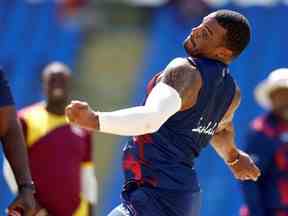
x=238 y=30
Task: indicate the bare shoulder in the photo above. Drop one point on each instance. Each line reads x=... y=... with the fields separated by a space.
x=185 y=78
x=177 y=62
x=180 y=65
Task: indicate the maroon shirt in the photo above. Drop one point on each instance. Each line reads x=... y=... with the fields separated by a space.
x=56 y=152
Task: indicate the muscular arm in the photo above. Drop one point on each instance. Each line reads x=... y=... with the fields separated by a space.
x=13 y=145
x=223 y=140
x=185 y=78
x=240 y=163
x=15 y=151
x=177 y=89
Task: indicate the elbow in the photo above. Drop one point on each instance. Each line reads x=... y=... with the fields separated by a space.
x=155 y=122
x=153 y=127
x=152 y=130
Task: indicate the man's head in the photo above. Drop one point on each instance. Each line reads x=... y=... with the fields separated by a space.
x=222 y=35
x=56 y=82
x=279 y=101
x=272 y=93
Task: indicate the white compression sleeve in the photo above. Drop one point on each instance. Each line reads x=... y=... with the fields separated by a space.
x=162 y=102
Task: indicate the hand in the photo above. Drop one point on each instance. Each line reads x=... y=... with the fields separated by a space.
x=81 y=114
x=19 y=212
x=42 y=212
x=245 y=168
x=24 y=204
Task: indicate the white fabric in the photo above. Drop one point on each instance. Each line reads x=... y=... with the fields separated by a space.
x=277 y=78
x=89 y=184
x=9 y=176
x=162 y=102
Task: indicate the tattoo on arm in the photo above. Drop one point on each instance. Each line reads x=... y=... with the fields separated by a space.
x=186 y=80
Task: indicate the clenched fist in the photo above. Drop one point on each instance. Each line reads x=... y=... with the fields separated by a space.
x=80 y=113
x=24 y=204
x=245 y=168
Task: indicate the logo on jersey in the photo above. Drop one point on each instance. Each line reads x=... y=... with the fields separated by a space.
x=206 y=129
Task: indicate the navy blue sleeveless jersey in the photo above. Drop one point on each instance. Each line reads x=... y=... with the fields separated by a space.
x=164 y=159
x=6 y=98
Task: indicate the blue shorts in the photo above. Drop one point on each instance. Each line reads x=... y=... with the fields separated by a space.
x=147 y=201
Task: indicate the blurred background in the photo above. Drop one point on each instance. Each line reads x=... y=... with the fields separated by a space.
x=114 y=47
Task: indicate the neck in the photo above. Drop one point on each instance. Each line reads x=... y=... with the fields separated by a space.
x=57 y=108
x=214 y=57
x=225 y=61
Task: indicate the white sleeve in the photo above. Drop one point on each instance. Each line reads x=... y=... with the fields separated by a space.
x=89 y=184
x=163 y=102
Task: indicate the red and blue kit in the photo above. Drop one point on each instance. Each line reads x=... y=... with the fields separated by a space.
x=160 y=178
x=267 y=143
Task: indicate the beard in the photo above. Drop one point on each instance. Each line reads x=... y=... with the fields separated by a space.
x=191 y=48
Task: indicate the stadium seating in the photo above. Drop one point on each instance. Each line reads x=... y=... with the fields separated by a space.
x=32 y=35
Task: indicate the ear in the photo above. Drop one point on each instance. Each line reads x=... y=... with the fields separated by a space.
x=224 y=53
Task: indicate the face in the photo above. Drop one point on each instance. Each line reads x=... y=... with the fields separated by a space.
x=206 y=39
x=56 y=85
x=279 y=100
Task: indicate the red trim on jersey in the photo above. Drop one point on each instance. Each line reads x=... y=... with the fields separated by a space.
x=132 y=165
x=141 y=141
x=152 y=83
x=129 y=162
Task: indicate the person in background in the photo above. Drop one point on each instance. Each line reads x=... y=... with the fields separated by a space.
x=267 y=142
x=59 y=154
x=14 y=148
